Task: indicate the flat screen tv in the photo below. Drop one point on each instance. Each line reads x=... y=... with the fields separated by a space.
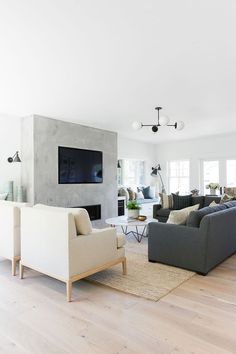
x=79 y=166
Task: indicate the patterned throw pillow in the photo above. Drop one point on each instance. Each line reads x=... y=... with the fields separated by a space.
x=132 y=194
x=181 y=201
x=166 y=201
x=123 y=193
x=227 y=198
x=231 y=191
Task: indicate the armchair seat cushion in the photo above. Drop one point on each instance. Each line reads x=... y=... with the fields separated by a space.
x=120 y=240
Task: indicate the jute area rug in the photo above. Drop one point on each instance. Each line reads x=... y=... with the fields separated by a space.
x=144 y=279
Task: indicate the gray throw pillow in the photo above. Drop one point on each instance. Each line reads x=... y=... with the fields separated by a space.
x=149 y=192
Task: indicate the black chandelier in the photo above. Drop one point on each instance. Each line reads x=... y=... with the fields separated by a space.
x=161 y=121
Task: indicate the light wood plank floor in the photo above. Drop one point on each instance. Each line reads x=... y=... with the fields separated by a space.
x=198 y=317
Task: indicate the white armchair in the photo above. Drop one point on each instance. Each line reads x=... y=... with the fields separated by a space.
x=10 y=231
x=51 y=245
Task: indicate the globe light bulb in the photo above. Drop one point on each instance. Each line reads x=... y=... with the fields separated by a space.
x=154 y=128
x=137 y=125
x=164 y=120
x=180 y=125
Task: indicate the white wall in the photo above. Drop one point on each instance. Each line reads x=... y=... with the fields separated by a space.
x=219 y=147
x=132 y=149
x=10 y=142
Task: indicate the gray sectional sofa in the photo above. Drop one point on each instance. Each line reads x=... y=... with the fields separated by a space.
x=162 y=214
x=208 y=238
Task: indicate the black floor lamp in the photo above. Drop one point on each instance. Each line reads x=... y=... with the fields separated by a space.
x=156 y=172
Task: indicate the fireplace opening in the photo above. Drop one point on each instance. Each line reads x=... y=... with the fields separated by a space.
x=94 y=211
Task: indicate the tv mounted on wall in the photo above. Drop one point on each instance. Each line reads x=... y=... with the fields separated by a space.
x=79 y=166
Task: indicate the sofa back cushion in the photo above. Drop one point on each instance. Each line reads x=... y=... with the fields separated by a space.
x=81 y=217
x=198 y=199
x=195 y=217
x=209 y=198
x=181 y=201
x=230 y=204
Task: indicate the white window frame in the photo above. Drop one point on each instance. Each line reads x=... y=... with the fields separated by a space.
x=168 y=172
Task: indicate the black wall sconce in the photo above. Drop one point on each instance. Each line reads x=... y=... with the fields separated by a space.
x=14 y=158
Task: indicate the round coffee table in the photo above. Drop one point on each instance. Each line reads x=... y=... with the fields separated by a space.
x=125 y=223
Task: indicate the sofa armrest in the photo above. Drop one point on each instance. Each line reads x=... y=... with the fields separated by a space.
x=155 y=208
x=90 y=251
x=177 y=245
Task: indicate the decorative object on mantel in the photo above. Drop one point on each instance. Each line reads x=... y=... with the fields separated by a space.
x=14 y=158
x=133 y=209
x=9 y=191
x=213 y=187
x=161 y=121
x=156 y=172
x=20 y=194
x=195 y=192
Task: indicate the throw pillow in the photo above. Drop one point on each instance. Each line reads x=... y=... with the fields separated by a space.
x=230 y=191
x=179 y=217
x=123 y=193
x=132 y=194
x=140 y=195
x=212 y=204
x=149 y=192
x=226 y=198
x=166 y=201
x=3 y=196
x=181 y=201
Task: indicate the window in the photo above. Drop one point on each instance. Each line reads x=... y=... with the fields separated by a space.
x=132 y=172
x=210 y=174
x=231 y=173
x=178 y=173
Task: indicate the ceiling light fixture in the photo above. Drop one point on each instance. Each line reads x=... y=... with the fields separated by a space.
x=161 y=121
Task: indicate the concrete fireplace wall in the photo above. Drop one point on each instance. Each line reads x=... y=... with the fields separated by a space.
x=41 y=137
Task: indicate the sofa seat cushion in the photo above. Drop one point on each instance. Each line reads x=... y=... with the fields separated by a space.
x=179 y=217
x=81 y=217
x=120 y=238
x=195 y=217
x=163 y=212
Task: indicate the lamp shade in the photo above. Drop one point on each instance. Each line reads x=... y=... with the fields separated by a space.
x=136 y=125
x=17 y=158
x=180 y=125
x=164 y=120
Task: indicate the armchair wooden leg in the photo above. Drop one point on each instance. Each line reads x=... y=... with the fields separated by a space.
x=124 y=266
x=13 y=266
x=69 y=290
x=21 y=270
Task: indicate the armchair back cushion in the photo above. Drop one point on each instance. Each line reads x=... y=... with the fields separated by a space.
x=81 y=216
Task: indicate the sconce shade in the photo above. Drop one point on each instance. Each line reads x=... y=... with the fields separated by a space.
x=14 y=158
x=118 y=164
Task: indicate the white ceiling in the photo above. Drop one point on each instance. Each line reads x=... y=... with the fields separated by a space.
x=107 y=63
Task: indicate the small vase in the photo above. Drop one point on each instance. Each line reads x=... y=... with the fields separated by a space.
x=133 y=213
x=213 y=191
